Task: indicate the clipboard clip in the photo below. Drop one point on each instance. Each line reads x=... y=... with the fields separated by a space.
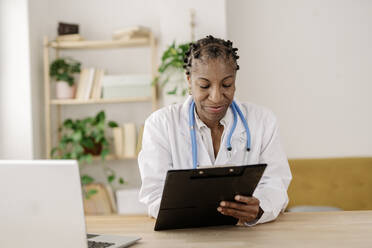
x=217 y=172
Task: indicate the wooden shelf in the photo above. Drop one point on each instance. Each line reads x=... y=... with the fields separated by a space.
x=58 y=47
x=99 y=44
x=98 y=101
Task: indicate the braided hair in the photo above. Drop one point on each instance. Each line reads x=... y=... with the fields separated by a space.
x=210 y=47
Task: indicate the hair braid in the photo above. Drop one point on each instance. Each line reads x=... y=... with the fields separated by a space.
x=212 y=48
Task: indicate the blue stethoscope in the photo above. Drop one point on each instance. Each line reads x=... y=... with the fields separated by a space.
x=235 y=109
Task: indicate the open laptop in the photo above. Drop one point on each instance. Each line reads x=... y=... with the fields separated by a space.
x=41 y=206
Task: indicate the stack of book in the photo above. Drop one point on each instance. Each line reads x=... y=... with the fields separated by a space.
x=69 y=37
x=90 y=84
x=126 y=141
x=131 y=33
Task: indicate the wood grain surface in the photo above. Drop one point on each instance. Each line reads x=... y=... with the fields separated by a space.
x=318 y=229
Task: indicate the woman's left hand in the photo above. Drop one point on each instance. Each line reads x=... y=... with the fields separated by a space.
x=246 y=209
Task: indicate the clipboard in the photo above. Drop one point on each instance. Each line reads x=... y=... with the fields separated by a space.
x=191 y=197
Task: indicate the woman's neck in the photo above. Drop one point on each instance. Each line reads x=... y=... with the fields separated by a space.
x=213 y=125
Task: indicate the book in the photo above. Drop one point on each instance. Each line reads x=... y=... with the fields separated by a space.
x=89 y=84
x=97 y=84
x=69 y=37
x=131 y=32
x=139 y=139
x=85 y=83
x=80 y=86
x=129 y=140
x=118 y=141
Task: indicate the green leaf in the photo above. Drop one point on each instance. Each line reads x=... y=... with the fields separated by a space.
x=112 y=124
x=111 y=178
x=89 y=158
x=184 y=91
x=54 y=150
x=104 y=153
x=88 y=143
x=100 y=117
x=68 y=123
x=121 y=180
x=165 y=81
x=91 y=192
x=63 y=69
x=85 y=179
x=155 y=81
x=173 y=92
x=76 y=136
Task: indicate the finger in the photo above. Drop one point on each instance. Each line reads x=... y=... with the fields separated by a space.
x=248 y=211
x=240 y=206
x=238 y=214
x=247 y=200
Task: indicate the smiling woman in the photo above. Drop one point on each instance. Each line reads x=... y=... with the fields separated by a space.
x=211 y=68
x=209 y=119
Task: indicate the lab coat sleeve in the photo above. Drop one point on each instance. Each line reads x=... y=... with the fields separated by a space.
x=154 y=161
x=272 y=188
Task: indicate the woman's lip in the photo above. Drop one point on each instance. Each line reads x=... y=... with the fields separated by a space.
x=215 y=109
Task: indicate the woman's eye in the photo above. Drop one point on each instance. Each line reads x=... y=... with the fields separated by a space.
x=204 y=86
x=226 y=85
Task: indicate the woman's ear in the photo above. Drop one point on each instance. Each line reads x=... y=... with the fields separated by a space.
x=188 y=80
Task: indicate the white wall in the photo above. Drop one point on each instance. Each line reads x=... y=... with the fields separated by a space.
x=15 y=97
x=310 y=62
x=168 y=19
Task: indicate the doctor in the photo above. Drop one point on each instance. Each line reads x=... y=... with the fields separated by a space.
x=210 y=128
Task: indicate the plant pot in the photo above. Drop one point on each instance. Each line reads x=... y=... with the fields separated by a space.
x=64 y=90
x=95 y=151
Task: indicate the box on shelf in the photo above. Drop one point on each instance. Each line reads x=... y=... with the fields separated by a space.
x=126 y=86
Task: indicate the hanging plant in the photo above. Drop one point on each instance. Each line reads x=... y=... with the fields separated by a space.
x=172 y=64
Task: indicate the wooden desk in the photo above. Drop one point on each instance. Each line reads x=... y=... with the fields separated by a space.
x=321 y=229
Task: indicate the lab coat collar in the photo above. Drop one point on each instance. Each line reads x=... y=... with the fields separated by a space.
x=224 y=121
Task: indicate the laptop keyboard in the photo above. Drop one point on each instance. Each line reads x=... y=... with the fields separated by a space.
x=95 y=244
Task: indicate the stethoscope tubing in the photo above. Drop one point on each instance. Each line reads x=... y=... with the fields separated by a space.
x=236 y=111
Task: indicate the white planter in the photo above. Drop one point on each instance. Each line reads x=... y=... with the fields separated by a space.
x=64 y=90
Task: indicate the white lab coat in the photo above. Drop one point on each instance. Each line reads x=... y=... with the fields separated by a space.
x=166 y=145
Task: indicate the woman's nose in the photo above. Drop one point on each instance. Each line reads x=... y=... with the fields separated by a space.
x=215 y=95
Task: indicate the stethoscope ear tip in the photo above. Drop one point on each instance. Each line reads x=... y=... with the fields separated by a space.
x=248 y=149
x=229 y=148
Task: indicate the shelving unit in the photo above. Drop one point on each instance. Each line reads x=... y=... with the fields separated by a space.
x=99 y=101
x=59 y=46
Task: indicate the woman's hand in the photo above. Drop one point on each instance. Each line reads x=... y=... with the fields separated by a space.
x=246 y=209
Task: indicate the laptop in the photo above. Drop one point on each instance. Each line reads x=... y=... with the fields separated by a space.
x=41 y=206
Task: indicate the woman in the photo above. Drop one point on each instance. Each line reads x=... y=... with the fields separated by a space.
x=211 y=66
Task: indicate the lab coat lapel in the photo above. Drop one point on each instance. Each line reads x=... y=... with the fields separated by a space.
x=203 y=157
x=238 y=138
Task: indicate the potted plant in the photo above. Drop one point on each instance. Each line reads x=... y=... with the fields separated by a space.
x=171 y=74
x=62 y=70
x=83 y=139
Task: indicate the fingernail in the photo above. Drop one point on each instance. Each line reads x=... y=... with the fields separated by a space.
x=219 y=209
x=237 y=198
x=223 y=204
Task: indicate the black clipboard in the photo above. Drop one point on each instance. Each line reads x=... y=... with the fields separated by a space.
x=191 y=197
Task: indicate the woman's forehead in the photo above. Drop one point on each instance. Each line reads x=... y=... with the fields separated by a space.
x=209 y=66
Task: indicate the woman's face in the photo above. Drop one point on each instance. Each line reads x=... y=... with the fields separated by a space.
x=212 y=85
